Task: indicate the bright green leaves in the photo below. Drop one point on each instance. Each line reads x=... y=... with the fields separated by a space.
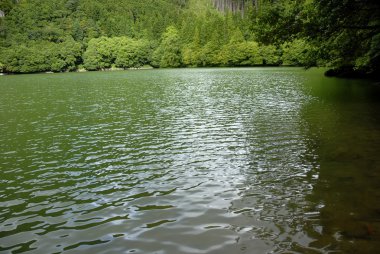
x=132 y=53
x=298 y=52
x=61 y=35
x=121 y=52
x=41 y=56
x=168 y=53
x=99 y=54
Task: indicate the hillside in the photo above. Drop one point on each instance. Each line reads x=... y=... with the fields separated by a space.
x=66 y=35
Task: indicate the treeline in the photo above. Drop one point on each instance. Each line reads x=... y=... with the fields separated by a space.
x=41 y=57
x=124 y=52
x=66 y=35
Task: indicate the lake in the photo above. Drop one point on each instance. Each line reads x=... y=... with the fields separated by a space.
x=224 y=160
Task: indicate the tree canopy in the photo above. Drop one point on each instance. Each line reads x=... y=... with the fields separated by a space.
x=64 y=35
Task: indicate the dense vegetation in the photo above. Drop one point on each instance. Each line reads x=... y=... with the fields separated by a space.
x=67 y=35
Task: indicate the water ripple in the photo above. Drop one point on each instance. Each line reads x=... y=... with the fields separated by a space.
x=195 y=161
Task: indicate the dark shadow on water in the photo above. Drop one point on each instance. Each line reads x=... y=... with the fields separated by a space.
x=345 y=123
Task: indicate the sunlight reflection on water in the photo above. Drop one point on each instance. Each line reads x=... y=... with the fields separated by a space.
x=168 y=161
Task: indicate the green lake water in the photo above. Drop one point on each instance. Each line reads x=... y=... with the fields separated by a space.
x=248 y=160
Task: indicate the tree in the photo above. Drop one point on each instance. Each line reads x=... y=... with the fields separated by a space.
x=298 y=52
x=168 y=54
x=133 y=53
x=239 y=52
x=42 y=56
x=192 y=33
x=7 y=5
x=276 y=21
x=191 y=53
x=268 y=55
x=100 y=54
x=77 y=31
x=210 y=52
x=349 y=34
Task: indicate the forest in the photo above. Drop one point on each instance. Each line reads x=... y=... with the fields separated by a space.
x=77 y=35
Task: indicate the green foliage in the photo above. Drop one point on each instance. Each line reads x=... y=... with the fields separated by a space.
x=268 y=55
x=279 y=21
x=6 y=6
x=349 y=34
x=191 y=53
x=41 y=56
x=123 y=52
x=238 y=53
x=209 y=55
x=374 y=54
x=298 y=52
x=99 y=54
x=168 y=53
x=60 y=35
x=133 y=53
x=191 y=56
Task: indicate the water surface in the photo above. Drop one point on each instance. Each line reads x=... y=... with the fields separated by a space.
x=250 y=160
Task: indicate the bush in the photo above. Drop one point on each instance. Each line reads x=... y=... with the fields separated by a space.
x=123 y=52
x=41 y=56
x=269 y=55
x=298 y=52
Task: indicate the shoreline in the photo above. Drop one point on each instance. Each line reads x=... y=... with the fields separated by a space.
x=342 y=73
x=76 y=71
x=350 y=73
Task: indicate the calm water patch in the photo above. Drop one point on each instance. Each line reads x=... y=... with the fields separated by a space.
x=250 y=160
